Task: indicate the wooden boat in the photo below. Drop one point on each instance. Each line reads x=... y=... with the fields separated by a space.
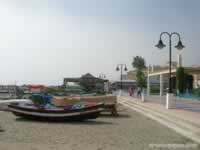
x=75 y=112
x=110 y=102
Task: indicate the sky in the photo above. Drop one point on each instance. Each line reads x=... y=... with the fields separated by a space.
x=43 y=41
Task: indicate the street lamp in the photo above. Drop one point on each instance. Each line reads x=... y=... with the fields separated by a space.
x=179 y=46
x=120 y=67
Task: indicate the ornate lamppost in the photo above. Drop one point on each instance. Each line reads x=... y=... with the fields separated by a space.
x=121 y=67
x=179 y=46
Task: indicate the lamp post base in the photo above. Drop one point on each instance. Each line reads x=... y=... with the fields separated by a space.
x=142 y=97
x=170 y=103
x=119 y=93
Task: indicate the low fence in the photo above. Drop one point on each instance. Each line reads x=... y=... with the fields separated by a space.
x=181 y=102
x=184 y=103
x=155 y=99
x=188 y=96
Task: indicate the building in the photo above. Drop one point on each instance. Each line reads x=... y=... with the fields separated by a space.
x=73 y=87
x=131 y=75
x=36 y=88
x=24 y=89
x=8 y=91
x=158 y=75
x=86 y=80
x=162 y=76
x=126 y=84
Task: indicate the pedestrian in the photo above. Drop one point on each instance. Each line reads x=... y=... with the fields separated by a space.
x=139 y=92
x=130 y=94
x=131 y=91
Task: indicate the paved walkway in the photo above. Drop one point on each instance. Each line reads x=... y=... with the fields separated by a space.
x=188 y=110
x=182 y=121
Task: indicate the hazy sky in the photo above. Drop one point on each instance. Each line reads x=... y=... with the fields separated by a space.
x=43 y=41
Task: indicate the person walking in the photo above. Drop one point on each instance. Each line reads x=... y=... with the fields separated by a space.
x=131 y=91
x=139 y=92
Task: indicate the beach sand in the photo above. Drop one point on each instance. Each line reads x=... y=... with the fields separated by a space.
x=129 y=131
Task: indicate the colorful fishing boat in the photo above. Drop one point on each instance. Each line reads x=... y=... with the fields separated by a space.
x=76 y=112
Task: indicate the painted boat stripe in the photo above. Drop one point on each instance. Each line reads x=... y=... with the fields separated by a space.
x=55 y=115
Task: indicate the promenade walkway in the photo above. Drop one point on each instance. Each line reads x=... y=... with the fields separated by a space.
x=183 y=121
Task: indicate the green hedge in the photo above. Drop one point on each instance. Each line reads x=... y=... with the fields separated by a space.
x=196 y=92
x=154 y=89
x=180 y=79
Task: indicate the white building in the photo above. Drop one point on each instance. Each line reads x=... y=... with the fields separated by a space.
x=8 y=91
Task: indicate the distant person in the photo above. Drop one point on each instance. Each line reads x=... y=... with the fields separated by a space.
x=131 y=91
x=139 y=92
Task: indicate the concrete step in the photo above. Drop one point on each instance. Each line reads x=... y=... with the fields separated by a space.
x=169 y=116
x=165 y=116
x=164 y=112
x=180 y=126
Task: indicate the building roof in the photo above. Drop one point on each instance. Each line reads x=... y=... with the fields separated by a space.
x=166 y=71
x=88 y=75
x=85 y=76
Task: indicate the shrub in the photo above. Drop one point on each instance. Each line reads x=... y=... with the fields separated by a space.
x=155 y=89
x=196 y=91
x=180 y=80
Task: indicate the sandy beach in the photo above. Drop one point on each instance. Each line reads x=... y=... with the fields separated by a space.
x=129 y=131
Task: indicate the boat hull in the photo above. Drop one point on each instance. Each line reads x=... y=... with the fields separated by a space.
x=66 y=115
